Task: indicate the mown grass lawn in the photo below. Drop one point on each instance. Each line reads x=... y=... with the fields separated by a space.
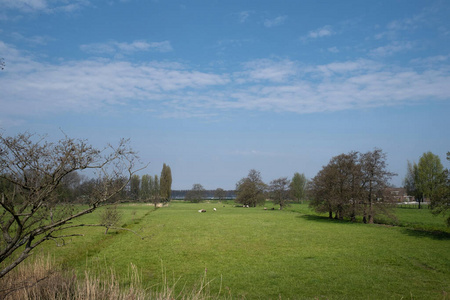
x=267 y=254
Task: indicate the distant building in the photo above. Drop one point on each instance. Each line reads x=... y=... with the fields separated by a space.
x=399 y=195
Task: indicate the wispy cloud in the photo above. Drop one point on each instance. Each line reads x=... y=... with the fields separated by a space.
x=267 y=70
x=391 y=49
x=275 y=22
x=243 y=16
x=114 y=47
x=320 y=32
x=45 y=6
x=167 y=89
x=33 y=40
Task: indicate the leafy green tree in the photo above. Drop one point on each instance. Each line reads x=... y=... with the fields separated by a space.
x=145 y=191
x=430 y=170
x=165 y=186
x=250 y=190
x=298 y=186
x=424 y=178
x=440 y=200
x=196 y=194
x=279 y=191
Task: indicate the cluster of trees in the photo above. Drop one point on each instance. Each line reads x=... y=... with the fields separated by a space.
x=198 y=193
x=150 y=188
x=429 y=180
x=252 y=190
x=352 y=185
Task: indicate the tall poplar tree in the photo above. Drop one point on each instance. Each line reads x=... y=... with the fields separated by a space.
x=298 y=186
x=165 y=183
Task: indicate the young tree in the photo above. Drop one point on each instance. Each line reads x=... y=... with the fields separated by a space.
x=166 y=183
x=31 y=170
x=196 y=194
x=250 y=190
x=424 y=178
x=298 y=186
x=429 y=174
x=279 y=191
x=110 y=217
x=440 y=200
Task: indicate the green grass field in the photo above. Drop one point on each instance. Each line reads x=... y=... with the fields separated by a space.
x=254 y=253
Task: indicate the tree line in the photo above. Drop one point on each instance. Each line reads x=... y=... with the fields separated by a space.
x=150 y=188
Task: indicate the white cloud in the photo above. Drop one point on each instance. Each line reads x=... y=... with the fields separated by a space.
x=391 y=49
x=243 y=16
x=46 y=6
x=333 y=49
x=30 y=86
x=114 y=47
x=275 y=22
x=34 y=40
x=266 y=69
x=320 y=32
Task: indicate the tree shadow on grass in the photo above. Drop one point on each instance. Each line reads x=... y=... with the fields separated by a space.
x=414 y=232
x=434 y=234
x=324 y=219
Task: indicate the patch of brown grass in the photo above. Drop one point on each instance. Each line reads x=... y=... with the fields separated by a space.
x=41 y=279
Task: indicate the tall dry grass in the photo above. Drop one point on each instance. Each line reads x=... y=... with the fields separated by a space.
x=41 y=279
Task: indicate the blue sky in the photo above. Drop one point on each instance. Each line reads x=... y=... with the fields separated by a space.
x=216 y=88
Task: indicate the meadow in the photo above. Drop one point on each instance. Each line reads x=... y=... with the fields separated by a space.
x=254 y=253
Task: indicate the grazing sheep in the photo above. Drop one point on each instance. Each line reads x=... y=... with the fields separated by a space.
x=215 y=209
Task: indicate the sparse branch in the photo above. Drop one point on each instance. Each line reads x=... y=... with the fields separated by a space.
x=31 y=174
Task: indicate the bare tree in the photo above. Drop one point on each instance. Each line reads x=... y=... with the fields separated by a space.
x=196 y=194
x=110 y=217
x=220 y=194
x=279 y=191
x=32 y=169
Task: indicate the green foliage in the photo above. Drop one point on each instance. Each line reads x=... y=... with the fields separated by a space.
x=250 y=190
x=429 y=174
x=298 y=186
x=440 y=200
x=165 y=183
x=425 y=179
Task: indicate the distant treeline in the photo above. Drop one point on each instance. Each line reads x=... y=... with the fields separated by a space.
x=208 y=194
